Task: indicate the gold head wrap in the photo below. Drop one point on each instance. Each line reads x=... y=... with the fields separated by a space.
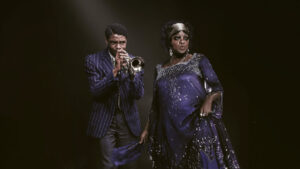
x=177 y=27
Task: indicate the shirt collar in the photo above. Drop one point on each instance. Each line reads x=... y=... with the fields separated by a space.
x=112 y=57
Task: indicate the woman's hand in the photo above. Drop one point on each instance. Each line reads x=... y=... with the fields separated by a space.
x=143 y=137
x=206 y=108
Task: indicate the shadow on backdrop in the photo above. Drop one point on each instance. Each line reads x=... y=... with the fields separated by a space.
x=45 y=99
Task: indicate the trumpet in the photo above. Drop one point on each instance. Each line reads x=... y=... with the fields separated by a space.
x=134 y=65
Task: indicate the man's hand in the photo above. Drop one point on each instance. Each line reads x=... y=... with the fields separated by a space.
x=117 y=67
x=123 y=55
x=120 y=61
x=143 y=137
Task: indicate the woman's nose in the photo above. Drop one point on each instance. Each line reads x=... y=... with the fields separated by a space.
x=182 y=41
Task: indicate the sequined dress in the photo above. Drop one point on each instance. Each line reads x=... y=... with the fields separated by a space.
x=179 y=137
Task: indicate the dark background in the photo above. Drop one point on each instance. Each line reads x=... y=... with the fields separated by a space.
x=252 y=45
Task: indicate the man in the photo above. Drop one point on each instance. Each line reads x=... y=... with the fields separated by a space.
x=114 y=119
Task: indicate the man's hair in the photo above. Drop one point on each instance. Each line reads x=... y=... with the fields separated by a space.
x=115 y=28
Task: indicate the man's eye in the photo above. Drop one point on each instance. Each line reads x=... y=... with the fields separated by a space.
x=176 y=38
x=186 y=38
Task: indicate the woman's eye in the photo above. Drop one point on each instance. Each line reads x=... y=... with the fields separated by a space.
x=176 y=38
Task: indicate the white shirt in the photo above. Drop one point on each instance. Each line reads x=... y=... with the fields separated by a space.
x=113 y=59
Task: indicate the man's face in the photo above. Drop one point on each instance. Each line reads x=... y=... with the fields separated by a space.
x=115 y=43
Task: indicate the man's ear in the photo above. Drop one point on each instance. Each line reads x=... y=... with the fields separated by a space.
x=106 y=42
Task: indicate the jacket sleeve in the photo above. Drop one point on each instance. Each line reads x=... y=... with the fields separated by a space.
x=99 y=82
x=137 y=85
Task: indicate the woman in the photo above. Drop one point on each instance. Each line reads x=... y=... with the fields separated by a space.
x=184 y=124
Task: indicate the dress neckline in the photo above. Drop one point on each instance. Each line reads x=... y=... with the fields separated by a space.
x=179 y=63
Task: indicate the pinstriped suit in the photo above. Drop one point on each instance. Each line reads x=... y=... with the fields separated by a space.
x=104 y=88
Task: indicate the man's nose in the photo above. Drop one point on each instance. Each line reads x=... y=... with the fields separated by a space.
x=118 y=46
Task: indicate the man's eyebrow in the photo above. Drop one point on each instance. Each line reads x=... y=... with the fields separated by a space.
x=115 y=41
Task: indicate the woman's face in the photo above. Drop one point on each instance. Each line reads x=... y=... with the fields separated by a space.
x=180 y=42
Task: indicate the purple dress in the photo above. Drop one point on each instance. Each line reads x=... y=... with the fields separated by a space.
x=179 y=137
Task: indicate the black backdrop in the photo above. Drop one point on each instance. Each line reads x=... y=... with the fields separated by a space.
x=45 y=100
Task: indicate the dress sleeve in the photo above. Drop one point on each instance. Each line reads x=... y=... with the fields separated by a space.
x=153 y=109
x=212 y=85
x=209 y=75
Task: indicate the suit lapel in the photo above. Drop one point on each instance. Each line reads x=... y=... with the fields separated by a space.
x=107 y=60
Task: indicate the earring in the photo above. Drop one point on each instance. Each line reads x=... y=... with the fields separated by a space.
x=187 y=51
x=171 y=52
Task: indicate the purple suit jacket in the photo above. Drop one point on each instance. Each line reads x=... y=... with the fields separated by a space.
x=104 y=88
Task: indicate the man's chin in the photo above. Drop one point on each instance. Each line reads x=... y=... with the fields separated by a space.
x=113 y=52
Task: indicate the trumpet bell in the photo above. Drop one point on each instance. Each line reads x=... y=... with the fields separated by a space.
x=137 y=64
x=134 y=65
